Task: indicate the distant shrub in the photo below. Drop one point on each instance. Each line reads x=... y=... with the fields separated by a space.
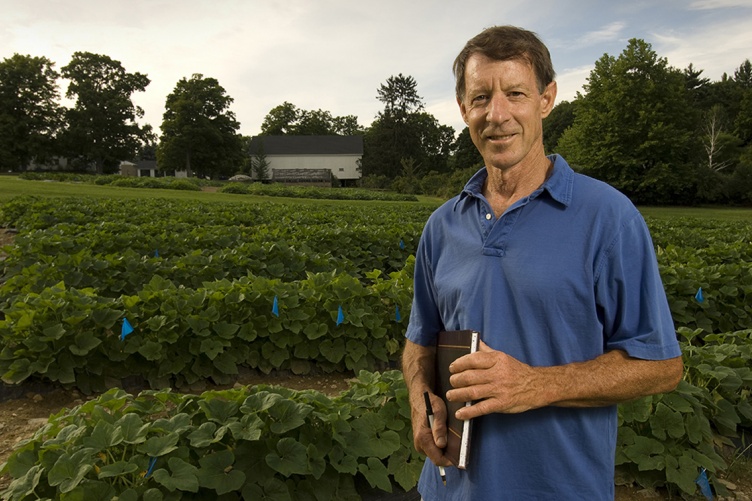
x=182 y=184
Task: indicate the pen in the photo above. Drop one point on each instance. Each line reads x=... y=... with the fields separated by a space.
x=429 y=413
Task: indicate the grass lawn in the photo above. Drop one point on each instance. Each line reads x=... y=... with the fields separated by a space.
x=12 y=186
x=724 y=213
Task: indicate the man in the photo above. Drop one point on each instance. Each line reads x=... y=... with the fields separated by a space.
x=557 y=272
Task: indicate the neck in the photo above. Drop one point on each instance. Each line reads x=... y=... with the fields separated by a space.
x=504 y=187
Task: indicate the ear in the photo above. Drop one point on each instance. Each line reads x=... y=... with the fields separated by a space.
x=547 y=99
x=463 y=110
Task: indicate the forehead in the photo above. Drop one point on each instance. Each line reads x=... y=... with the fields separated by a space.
x=482 y=70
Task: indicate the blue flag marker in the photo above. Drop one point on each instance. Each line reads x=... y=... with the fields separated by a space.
x=151 y=467
x=702 y=481
x=340 y=316
x=699 y=296
x=156 y=252
x=126 y=329
x=402 y=244
x=397 y=316
x=275 y=307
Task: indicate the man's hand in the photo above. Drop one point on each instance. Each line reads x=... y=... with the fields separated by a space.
x=418 y=369
x=430 y=441
x=496 y=382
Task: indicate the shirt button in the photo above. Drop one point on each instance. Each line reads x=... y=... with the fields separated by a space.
x=488 y=217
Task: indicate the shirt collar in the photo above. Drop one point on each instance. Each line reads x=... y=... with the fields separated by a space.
x=558 y=185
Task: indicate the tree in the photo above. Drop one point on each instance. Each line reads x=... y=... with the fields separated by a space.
x=280 y=120
x=287 y=119
x=743 y=75
x=102 y=125
x=199 y=132
x=717 y=141
x=743 y=121
x=400 y=96
x=259 y=163
x=404 y=131
x=466 y=154
x=632 y=128
x=30 y=116
x=554 y=125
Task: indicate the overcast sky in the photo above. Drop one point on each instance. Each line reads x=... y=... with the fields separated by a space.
x=334 y=54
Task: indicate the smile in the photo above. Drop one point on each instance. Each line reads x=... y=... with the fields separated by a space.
x=500 y=137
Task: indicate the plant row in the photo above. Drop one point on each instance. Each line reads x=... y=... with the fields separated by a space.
x=667 y=439
x=121 y=259
x=277 y=444
x=249 y=443
x=327 y=322
x=281 y=190
x=29 y=212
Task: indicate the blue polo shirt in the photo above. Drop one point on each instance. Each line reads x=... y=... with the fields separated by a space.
x=563 y=276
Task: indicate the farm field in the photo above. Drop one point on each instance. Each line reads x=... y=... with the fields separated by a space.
x=225 y=290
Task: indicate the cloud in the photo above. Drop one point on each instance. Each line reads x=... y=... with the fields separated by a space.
x=570 y=81
x=716 y=49
x=718 y=4
x=607 y=33
x=333 y=54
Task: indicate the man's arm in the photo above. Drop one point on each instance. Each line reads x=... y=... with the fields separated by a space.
x=418 y=370
x=501 y=383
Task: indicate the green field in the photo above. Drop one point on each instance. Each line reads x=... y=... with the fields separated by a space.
x=214 y=283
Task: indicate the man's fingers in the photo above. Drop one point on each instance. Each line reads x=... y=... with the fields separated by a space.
x=478 y=360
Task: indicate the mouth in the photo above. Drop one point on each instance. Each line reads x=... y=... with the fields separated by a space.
x=499 y=137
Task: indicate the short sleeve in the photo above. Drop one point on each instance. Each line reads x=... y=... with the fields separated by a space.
x=631 y=299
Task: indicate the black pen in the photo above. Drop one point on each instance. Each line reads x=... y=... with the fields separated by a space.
x=429 y=413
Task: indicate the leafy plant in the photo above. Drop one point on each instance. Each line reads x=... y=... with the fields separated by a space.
x=261 y=442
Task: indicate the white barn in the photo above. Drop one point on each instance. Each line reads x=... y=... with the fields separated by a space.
x=311 y=159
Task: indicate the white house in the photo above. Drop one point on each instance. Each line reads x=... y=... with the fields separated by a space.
x=311 y=159
x=142 y=168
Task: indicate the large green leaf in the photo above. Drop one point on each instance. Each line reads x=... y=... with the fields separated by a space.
x=288 y=415
x=225 y=330
x=219 y=410
x=132 y=428
x=117 y=468
x=103 y=436
x=643 y=449
x=24 y=485
x=182 y=476
x=70 y=469
x=250 y=428
x=203 y=436
x=290 y=458
x=665 y=421
x=683 y=471
x=376 y=474
x=159 y=445
x=84 y=342
x=217 y=472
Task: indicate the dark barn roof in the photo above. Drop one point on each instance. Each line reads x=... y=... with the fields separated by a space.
x=308 y=145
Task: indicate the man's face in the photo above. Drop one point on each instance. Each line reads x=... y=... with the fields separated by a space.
x=504 y=110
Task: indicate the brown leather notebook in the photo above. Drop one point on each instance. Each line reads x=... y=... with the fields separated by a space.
x=450 y=346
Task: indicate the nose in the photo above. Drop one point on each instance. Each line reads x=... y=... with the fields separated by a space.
x=498 y=109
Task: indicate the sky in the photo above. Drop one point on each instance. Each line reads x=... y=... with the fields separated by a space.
x=334 y=54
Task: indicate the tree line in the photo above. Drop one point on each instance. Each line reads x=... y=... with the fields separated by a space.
x=659 y=134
